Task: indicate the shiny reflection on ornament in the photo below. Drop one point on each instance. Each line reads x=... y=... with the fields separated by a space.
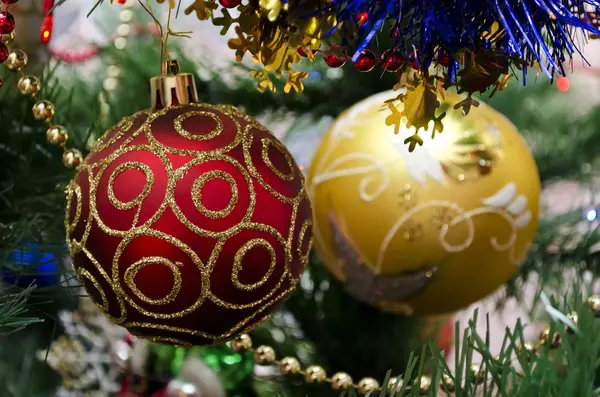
x=591 y=215
x=133 y=270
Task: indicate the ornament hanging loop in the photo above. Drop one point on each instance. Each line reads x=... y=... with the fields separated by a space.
x=172 y=87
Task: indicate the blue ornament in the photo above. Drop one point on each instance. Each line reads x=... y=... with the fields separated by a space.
x=30 y=265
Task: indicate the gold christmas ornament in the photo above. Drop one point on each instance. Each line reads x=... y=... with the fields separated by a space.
x=477 y=374
x=241 y=343
x=264 y=355
x=447 y=383
x=395 y=382
x=594 y=303
x=7 y=37
x=57 y=135
x=545 y=336
x=29 y=85
x=43 y=110
x=429 y=231
x=424 y=385
x=72 y=158
x=341 y=381
x=16 y=60
x=315 y=374
x=289 y=366
x=367 y=385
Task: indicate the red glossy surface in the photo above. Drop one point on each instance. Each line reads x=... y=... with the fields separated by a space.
x=253 y=182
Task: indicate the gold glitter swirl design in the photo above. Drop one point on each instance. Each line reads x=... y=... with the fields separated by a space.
x=252 y=161
x=186 y=116
x=237 y=264
x=133 y=270
x=145 y=204
x=140 y=198
x=197 y=194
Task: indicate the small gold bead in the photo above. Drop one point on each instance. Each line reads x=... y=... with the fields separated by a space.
x=545 y=336
x=57 y=135
x=72 y=158
x=8 y=37
x=575 y=319
x=424 y=385
x=594 y=303
x=447 y=383
x=17 y=60
x=29 y=85
x=341 y=381
x=315 y=374
x=367 y=385
x=529 y=350
x=289 y=366
x=43 y=110
x=241 y=343
x=264 y=355
x=477 y=374
x=395 y=381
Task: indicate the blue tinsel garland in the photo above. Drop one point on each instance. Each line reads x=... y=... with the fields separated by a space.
x=543 y=31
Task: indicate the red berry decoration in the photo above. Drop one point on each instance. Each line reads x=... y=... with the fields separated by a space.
x=362 y=18
x=414 y=60
x=392 y=60
x=302 y=52
x=7 y=22
x=3 y=52
x=366 y=61
x=334 y=61
x=443 y=58
x=9 y=2
x=189 y=225
x=230 y=3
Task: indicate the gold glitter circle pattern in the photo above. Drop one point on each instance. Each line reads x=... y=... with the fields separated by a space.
x=197 y=193
x=109 y=253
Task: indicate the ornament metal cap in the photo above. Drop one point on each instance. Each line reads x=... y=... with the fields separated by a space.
x=172 y=87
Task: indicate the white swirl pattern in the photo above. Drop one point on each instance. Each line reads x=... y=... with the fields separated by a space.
x=505 y=203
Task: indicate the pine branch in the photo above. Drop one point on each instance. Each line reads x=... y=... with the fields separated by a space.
x=14 y=309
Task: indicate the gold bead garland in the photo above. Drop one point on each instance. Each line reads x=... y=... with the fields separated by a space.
x=43 y=110
x=341 y=381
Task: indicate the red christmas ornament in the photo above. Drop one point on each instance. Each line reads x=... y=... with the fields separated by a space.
x=230 y=3
x=334 y=61
x=47 y=23
x=362 y=18
x=9 y=2
x=7 y=22
x=443 y=59
x=392 y=60
x=190 y=224
x=366 y=61
x=3 y=52
x=414 y=61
